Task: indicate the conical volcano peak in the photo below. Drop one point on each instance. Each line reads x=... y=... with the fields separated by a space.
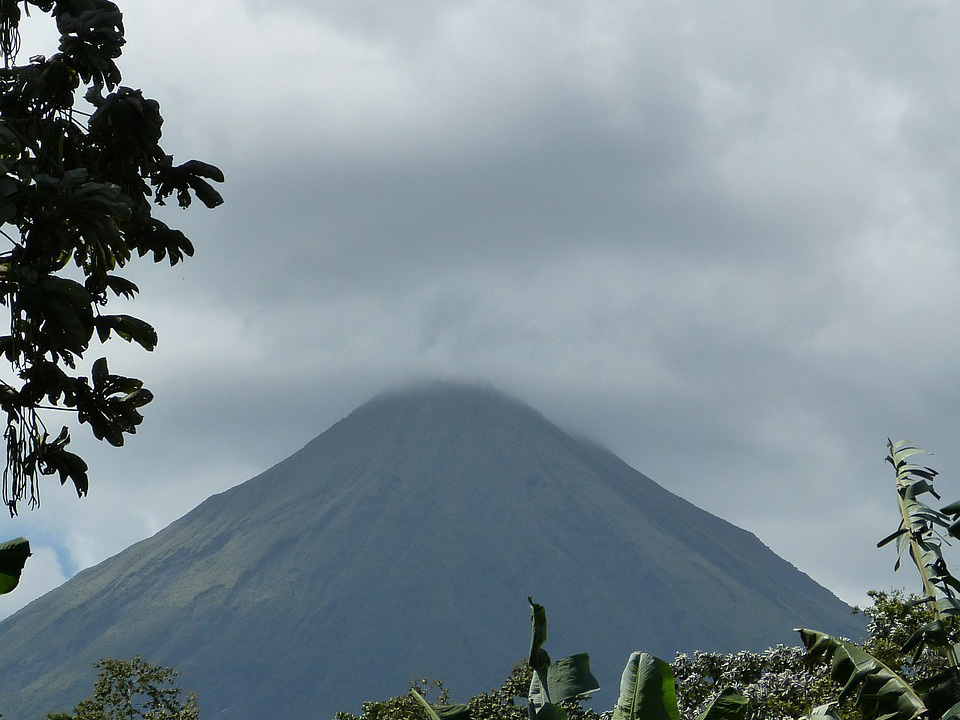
x=401 y=543
x=448 y=401
x=436 y=427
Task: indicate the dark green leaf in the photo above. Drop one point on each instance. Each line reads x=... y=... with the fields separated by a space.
x=202 y=169
x=940 y=692
x=570 y=677
x=952 y=713
x=539 y=659
x=9 y=144
x=13 y=556
x=728 y=705
x=877 y=691
x=130 y=329
x=891 y=537
x=442 y=712
x=122 y=286
x=99 y=372
x=933 y=634
x=550 y=711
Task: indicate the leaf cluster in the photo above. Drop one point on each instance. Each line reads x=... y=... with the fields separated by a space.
x=894 y=617
x=131 y=689
x=777 y=683
x=506 y=702
x=81 y=170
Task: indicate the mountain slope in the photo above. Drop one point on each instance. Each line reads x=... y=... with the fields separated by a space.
x=402 y=543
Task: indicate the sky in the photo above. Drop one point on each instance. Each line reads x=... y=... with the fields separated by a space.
x=719 y=238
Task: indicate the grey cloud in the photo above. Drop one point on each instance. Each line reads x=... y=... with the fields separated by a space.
x=719 y=239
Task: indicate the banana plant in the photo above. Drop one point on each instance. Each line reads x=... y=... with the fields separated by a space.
x=877 y=690
x=647 y=688
x=552 y=683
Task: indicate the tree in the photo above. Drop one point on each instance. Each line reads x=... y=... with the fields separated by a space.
x=81 y=169
x=130 y=689
x=776 y=683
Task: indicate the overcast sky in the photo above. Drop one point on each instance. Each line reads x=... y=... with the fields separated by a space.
x=719 y=238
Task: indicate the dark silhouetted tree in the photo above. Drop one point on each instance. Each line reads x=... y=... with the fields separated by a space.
x=81 y=169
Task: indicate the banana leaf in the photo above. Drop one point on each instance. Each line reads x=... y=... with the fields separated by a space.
x=13 y=556
x=824 y=712
x=647 y=690
x=728 y=705
x=442 y=712
x=876 y=689
x=931 y=635
x=900 y=451
x=554 y=682
x=941 y=692
x=548 y=711
x=538 y=656
x=566 y=679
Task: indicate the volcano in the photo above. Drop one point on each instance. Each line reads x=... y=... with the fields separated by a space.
x=403 y=542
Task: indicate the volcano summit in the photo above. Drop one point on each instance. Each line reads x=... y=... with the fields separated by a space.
x=403 y=542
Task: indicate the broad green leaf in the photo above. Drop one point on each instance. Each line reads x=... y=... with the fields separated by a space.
x=569 y=677
x=425 y=705
x=452 y=712
x=647 y=690
x=728 y=705
x=13 y=556
x=442 y=712
x=877 y=690
x=130 y=329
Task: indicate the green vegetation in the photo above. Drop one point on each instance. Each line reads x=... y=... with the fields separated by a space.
x=78 y=183
x=906 y=670
x=885 y=686
x=777 y=683
x=130 y=689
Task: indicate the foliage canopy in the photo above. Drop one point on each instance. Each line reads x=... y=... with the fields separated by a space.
x=81 y=169
x=776 y=683
x=892 y=688
x=131 y=689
